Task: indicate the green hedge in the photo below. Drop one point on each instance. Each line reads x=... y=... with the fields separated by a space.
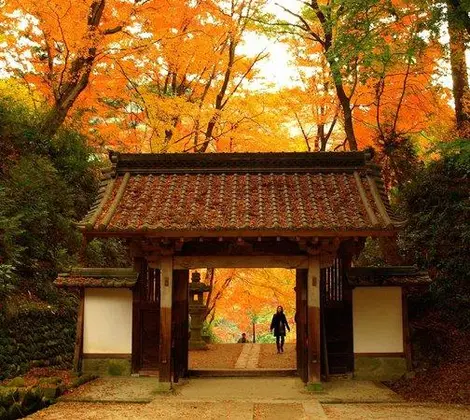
x=36 y=336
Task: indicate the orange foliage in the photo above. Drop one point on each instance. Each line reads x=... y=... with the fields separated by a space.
x=169 y=75
x=253 y=296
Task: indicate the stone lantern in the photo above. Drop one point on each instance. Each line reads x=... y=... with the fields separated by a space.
x=197 y=310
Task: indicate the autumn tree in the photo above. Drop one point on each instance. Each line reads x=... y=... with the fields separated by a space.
x=401 y=100
x=313 y=104
x=56 y=46
x=252 y=295
x=459 y=30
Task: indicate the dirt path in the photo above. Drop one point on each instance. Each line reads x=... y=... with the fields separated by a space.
x=218 y=356
x=269 y=358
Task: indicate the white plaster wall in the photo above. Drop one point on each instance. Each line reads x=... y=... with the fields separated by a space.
x=107 y=324
x=377 y=320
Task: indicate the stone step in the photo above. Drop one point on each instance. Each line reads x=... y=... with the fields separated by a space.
x=259 y=372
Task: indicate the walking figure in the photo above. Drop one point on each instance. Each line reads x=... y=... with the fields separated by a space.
x=278 y=326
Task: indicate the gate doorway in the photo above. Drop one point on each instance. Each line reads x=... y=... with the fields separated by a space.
x=150 y=314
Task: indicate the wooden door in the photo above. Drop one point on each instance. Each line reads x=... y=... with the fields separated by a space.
x=336 y=302
x=146 y=320
x=180 y=324
x=301 y=311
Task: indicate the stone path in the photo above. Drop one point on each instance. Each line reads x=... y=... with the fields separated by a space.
x=242 y=399
x=249 y=357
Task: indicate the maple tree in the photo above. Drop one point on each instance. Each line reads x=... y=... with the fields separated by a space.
x=160 y=76
x=241 y=298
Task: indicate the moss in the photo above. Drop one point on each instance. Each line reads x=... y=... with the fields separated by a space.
x=314 y=387
x=51 y=380
x=379 y=368
x=50 y=393
x=108 y=367
x=17 y=382
x=83 y=379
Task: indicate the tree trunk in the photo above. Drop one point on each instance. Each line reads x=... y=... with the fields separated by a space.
x=219 y=100
x=78 y=75
x=458 y=62
x=345 y=103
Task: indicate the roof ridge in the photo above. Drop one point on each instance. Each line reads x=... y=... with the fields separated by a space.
x=260 y=162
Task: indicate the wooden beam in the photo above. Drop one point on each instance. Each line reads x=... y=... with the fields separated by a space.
x=313 y=320
x=365 y=201
x=378 y=201
x=292 y=261
x=166 y=286
x=112 y=209
x=99 y=209
x=78 y=351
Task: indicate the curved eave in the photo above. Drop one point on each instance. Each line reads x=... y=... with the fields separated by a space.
x=255 y=233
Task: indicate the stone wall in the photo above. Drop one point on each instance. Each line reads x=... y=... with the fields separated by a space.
x=36 y=335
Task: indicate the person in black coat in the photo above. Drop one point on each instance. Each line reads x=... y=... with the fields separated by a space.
x=278 y=326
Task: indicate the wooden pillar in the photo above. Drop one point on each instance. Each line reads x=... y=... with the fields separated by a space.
x=313 y=319
x=166 y=288
x=406 y=332
x=78 y=352
x=140 y=265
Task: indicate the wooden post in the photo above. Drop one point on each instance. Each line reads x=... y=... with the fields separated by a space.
x=313 y=320
x=77 y=355
x=140 y=265
x=166 y=287
x=406 y=332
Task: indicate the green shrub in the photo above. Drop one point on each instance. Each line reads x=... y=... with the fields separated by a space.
x=32 y=400
x=3 y=414
x=8 y=396
x=15 y=411
x=437 y=237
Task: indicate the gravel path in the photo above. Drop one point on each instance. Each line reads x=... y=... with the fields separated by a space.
x=269 y=358
x=396 y=411
x=168 y=409
x=243 y=399
x=116 y=389
x=161 y=410
x=218 y=356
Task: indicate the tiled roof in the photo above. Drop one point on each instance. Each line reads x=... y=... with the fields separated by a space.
x=225 y=194
x=387 y=276
x=98 y=277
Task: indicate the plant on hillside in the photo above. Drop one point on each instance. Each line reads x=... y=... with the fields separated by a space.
x=437 y=237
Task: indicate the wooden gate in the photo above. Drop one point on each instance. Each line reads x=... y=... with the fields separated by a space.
x=146 y=320
x=336 y=303
x=180 y=324
x=301 y=312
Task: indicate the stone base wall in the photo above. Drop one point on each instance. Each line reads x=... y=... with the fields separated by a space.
x=379 y=368
x=107 y=366
x=36 y=336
